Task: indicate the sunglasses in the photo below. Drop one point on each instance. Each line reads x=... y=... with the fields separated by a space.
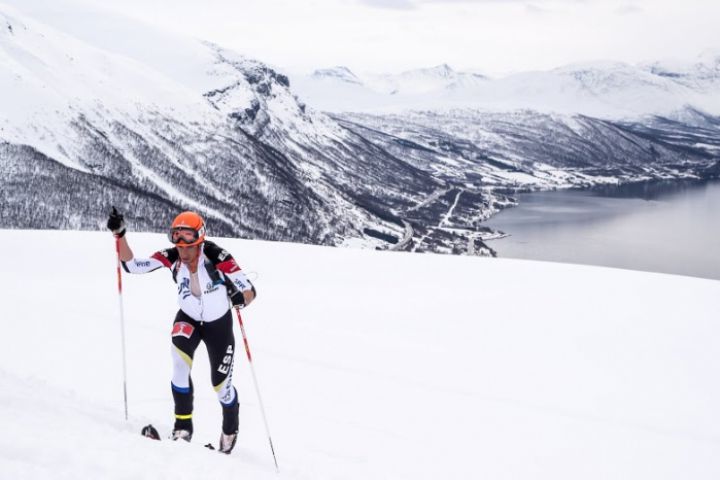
x=180 y=235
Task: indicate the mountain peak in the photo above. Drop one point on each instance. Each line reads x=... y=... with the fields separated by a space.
x=443 y=70
x=440 y=71
x=710 y=58
x=341 y=73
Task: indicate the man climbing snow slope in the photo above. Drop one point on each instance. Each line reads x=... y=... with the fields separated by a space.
x=209 y=282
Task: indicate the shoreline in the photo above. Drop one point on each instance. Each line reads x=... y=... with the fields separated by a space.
x=630 y=240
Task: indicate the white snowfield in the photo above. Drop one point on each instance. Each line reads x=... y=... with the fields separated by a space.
x=372 y=365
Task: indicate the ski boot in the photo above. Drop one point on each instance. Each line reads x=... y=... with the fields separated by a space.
x=228 y=436
x=227 y=442
x=183 y=429
x=181 y=435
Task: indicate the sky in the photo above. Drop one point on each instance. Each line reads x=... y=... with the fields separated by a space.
x=493 y=37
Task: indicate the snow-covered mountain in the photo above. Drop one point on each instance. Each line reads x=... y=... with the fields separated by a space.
x=339 y=89
x=702 y=75
x=424 y=80
x=340 y=74
x=99 y=110
x=610 y=90
x=501 y=369
x=200 y=127
x=528 y=150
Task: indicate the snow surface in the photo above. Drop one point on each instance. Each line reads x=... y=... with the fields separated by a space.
x=371 y=364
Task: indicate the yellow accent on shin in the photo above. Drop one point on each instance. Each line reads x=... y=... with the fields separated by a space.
x=183 y=417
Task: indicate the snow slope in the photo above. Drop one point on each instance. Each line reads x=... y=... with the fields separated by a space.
x=371 y=364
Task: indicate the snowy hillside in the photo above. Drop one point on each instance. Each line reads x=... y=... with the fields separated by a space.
x=533 y=151
x=610 y=90
x=371 y=365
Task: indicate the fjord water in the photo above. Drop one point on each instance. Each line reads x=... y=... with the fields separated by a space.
x=666 y=227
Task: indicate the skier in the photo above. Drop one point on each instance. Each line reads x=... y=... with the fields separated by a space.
x=206 y=276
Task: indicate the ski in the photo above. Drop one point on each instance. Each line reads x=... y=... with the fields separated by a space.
x=150 y=432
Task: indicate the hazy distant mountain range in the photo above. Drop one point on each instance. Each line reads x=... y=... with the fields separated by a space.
x=602 y=89
x=105 y=111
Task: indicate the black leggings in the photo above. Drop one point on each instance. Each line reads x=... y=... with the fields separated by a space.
x=220 y=343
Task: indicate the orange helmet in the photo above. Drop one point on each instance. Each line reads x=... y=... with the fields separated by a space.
x=187 y=229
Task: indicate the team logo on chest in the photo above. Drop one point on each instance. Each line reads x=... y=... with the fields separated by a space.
x=184 y=288
x=210 y=287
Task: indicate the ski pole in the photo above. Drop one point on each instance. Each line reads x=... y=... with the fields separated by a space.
x=257 y=389
x=122 y=326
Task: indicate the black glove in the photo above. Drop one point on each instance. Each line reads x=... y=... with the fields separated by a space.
x=237 y=299
x=116 y=223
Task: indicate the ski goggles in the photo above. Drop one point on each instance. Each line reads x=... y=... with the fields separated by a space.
x=186 y=235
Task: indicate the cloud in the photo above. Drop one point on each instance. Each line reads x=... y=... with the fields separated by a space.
x=628 y=9
x=411 y=4
x=535 y=9
x=391 y=4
